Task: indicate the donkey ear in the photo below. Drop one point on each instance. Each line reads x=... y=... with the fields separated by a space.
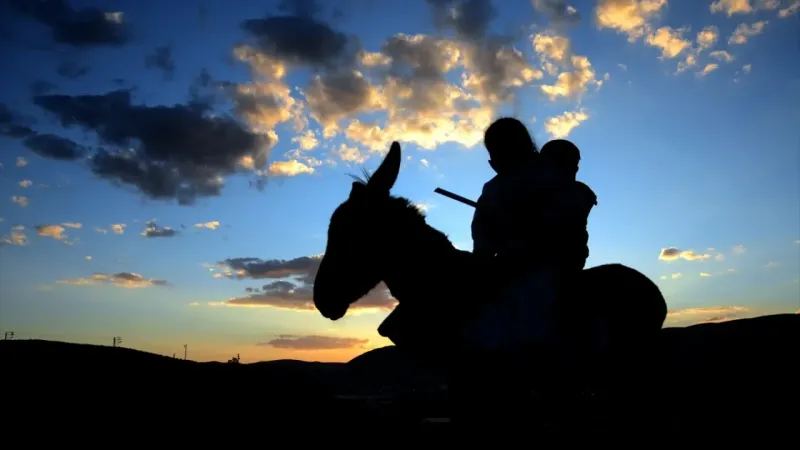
x=384 y=177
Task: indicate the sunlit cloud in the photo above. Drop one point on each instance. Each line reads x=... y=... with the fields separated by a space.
x=56 y=232
x=25 y=184
x=153 y=230
x=674 y=253
x=17 y=238
x=712 y=314
x=315 y=342
x=128 y=280
x=212 y=225
x=673 y=276
x=744 y=32
x=20 y=200
x=560 y=126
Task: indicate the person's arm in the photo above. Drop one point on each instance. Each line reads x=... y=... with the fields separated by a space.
x=483 y=233
x=588 y=199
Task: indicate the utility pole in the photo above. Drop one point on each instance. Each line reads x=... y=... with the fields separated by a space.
x=117 y=341
x=9 y=336
x=185 y=350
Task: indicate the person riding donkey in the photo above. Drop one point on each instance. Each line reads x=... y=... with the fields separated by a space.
x=515 y=216
x=528 y=219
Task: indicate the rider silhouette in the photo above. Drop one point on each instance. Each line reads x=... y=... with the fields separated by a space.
x=569 y=230
x=510 y=228
x=515 y=159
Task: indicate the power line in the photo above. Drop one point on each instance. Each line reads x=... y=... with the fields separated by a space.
x=117 y=341
x=185 y=350
x=9 y=336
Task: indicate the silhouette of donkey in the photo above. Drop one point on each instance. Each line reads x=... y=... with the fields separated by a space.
x=374 y=236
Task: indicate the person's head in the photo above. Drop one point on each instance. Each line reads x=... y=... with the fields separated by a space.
x=564 y=154
x=509 y=143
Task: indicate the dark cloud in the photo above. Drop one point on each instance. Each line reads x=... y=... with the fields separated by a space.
x=161 y=59
x=14 y=125
x=314 y=342
x=71 y=70
x=167 y=152
x=153 y=230
x=302 y=41
x=42 y=87
x=304 y=267
x=55 y=147
x=558 y=12
x=293 y=287
x=88 y=27
x=469 y=19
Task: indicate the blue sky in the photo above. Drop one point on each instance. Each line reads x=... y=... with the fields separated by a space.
x=685 y=113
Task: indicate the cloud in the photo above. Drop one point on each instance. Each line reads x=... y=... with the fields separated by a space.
x=20 y=200
x=576 y=72
x=631 y=17
x=161 y=59
x=744 y=32
x=21 y=162
x=772 y=265
x=713 y=314
x=183 y=151
x=17 y=238
x=71 y=70
x=350 y=154
x=722 y=55
x=315 y=342
x=739 y=249
x=732 y=7
x=708 y=69
x=212 y=225
x=670 y=41
x=74 y=225
x=56 y=232
x=304 y=268
x=705 y=274
x=560 y=126
x=789 y=10
x=128 y=280
x=293 y=285
x=153 y=230
x=431 y=89
x=674 y=253
x=299 y=297
x=674 y=276
x=708 y=36
x=558 y=11
x=307 y=140
x=25 y=184
x=83 y=28
x=118 y=228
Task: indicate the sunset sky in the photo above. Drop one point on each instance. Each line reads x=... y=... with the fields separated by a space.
x=165 y=163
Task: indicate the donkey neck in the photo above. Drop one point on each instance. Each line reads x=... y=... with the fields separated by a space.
x=420 y=257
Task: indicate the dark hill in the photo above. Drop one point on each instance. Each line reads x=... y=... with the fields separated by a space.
x=740 y=375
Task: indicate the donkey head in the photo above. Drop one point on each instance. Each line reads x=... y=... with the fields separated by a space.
x=360 y=237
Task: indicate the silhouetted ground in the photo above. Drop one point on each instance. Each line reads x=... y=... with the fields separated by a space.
x=716 y=381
